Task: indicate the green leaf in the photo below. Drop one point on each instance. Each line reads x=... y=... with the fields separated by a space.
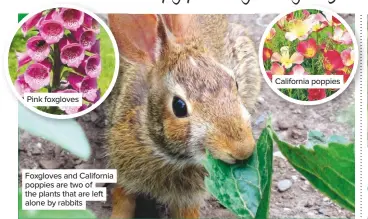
x=244 y=188
x=51 y=214
x=329 y=165
x=314 y=138
x=66 y=133
x=21 y=16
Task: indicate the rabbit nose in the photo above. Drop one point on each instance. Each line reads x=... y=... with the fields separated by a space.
x=244 y=149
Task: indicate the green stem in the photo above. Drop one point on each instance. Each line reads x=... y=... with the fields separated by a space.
x=56 y=73
x=56 y=69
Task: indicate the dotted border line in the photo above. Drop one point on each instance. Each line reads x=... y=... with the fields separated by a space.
x=360 y=112
x=360 y=81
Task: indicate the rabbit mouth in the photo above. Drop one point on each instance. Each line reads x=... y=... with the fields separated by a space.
x=225 y=157
x=228 y=159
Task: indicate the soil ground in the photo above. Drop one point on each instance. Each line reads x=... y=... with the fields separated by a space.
x=291 y=122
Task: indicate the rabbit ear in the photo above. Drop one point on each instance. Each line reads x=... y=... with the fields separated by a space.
x=136 y=36
x=180 y=25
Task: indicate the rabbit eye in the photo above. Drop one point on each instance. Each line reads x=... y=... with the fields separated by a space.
x=179 y=107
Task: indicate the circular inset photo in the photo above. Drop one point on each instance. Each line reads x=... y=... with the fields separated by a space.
x=63 y=62
x=308 y=56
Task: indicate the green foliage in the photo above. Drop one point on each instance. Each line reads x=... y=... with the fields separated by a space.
x=244 y=188
x=65 y=133
x=21 y=16
x=327 y=163
x=51 y=214
x=107 y=61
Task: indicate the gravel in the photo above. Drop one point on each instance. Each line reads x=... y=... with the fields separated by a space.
x=284 y=185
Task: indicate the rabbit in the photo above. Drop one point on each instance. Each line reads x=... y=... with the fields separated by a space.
x=187 y=84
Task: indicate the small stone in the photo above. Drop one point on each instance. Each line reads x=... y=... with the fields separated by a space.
x=325 y=199
x=39 y=145
x=306 y=182
x=57 y=151
x=283 y=124
x=284 y=185
x=286 y=197
x=311 y=214
x=29 y=154
x=321 y=211
x=296 y=134
x=49 y=164
x=287 y=209
x=297 y=111
x=261 y=100
x=294 y=177
x=300 y=126
x=78 y=161
x=308 y=205
x=281 y=165
x=260 y=120
x=64 y=153
x=314 y=115
x=36 y=150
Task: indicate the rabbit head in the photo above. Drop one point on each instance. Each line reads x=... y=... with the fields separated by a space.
x=192 y=104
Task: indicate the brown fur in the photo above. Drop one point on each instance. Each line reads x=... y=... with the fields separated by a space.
x=185 y=212
x=122 y=200
x=155 y=152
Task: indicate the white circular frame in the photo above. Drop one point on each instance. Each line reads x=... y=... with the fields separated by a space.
x=316 y=102
x=107 y=92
